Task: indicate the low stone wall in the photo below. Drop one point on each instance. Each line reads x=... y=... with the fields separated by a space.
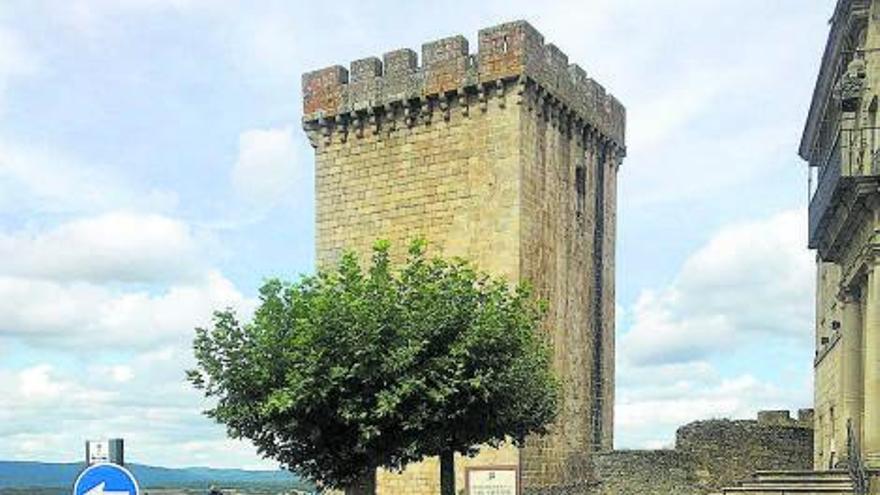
x=576 y=489
x=646 y=472
x=708 y=455
x=727 y=451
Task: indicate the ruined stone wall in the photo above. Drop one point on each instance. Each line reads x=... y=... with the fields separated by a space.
x=728 y=451
x=709 y=455
x=646 y=472
x=507 y=158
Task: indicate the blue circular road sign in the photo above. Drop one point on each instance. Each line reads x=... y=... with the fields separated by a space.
x=106 y=479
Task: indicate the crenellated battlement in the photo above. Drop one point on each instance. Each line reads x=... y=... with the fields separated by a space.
x=512 y=60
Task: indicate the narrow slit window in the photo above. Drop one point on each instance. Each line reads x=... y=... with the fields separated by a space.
x=580 y=185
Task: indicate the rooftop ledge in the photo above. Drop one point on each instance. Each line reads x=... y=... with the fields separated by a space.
x=507 y=52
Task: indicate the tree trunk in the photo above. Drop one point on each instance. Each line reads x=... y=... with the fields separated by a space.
x=447 y=473
x=366 y=485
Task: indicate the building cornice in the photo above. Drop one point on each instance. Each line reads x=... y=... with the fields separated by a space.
x=844 y=14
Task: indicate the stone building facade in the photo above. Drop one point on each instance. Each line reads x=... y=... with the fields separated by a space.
x=508 y=157
x=841 y=143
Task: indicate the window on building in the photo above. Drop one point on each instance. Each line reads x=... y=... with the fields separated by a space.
x=580 y=185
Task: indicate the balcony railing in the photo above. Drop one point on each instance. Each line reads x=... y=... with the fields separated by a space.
x=854 y=153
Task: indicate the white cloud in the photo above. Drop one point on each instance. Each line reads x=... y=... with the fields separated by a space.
x=44 y=386
x=117 y=246
x=76 y=315
x=266 y=169
x=46 y=413
x=729 y=398
x=121 y=373
x=35 y=383
x=648 y=416
x=752 y=279
x=38 y=179
x=746 y=290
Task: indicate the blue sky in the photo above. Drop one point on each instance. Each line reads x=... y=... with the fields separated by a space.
x=152 y=168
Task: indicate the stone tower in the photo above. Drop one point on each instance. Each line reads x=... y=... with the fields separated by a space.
x=841 y=142
x=507 y=157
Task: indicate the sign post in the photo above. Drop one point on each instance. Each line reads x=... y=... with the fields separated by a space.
x=103 y=451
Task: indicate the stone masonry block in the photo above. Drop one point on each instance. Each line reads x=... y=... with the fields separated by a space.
x=445 y=64
x=554 y=71
x=509 y=50
x=365 y=69
x=323 y=90
x=445 y=49
x=580 y=89
x=505 y=52
x=365 y=88
x=400 y=62
x=403 y=80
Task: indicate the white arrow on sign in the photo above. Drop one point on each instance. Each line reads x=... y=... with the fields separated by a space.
x=99 y=490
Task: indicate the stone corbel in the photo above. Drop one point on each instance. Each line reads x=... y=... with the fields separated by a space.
x=390 y=118
x=499 y=92
x=521 y=89
x=358 y=122
x=313 y=132
x=539 y=102
x=619 y=154
x=579 y=132
x=374 y=120
x=445 y=103
x=427 y=111
x=327 y=130
x=552 y=112
x=571 y=123
x=463 y=102
x=408 y=116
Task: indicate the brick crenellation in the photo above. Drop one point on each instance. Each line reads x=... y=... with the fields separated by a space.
x=511 y=58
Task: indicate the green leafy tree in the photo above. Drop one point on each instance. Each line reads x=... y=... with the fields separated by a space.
x=354 y=369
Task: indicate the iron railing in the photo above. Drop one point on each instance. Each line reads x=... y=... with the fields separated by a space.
x=855 y=465
x=853 y=153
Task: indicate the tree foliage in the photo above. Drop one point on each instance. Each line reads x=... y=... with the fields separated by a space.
x=356 y=368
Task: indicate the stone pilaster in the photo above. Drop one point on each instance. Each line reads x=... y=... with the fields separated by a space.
x=852 y=378
x=871 y=425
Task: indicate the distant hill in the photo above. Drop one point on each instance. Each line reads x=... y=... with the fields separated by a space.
x=40 y=474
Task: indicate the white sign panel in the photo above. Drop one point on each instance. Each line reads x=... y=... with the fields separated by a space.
x=492 y=481
x=98 y=451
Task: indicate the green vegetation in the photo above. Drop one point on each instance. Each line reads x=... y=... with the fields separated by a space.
x=354 y=368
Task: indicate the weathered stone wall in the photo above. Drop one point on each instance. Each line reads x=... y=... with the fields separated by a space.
x=646 y=472
x=708 y=456
x=727 y=451
x=508 y=158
